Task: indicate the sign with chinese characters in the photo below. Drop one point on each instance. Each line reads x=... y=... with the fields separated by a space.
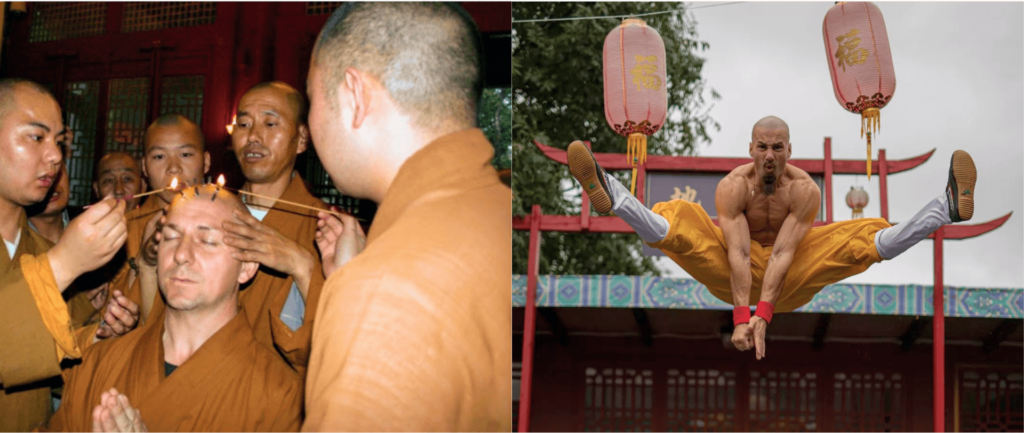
x=696 y=188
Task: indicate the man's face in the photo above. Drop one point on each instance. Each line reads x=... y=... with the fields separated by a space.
x=30 y=156
x=58 y=196
x=174 y=151
x=332 y=136
x=120 y=176
x=770 y=149
x=195 y=268
x=267 y=135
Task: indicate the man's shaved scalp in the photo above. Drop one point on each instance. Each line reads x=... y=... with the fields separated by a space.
x=9 y=85
x=770 y=123
x=295 y=98
x=175 y=119
x=114 y=155
x=427 y=55
x=205 y=197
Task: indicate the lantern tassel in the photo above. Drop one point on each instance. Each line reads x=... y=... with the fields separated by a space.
x=870 y=122
x=637 y=154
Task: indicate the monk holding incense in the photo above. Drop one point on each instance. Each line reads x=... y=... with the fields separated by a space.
x=197 y=367
x=35 y=328
x=414 y=332
x=268 y=135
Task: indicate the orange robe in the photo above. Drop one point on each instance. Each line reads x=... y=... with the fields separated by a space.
x=263 y=298
x=36 y=333
x=232 y=383
x=137 y=219
x=415 y=333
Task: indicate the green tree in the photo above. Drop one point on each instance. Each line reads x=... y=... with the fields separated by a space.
x=558 y=97
x=495 y=119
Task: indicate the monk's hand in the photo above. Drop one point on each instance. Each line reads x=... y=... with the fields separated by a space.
x=151 y=237
x=116 y=414
x=258 y=242
x=122 y=316
x=742 y=337
x=89 y=241
x=339 y=239
x=758 y=329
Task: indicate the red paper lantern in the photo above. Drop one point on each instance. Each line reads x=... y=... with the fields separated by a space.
x=857 y=199
x=860 y=62
x=635 y=98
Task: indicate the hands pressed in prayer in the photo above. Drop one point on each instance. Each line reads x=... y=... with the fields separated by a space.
x=258 y=242
x=121 y=317
x=757 y=329
x=340 y=239
x=116 y=414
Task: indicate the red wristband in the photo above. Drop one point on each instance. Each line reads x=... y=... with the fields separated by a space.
x=764 y=311
x=740 y=315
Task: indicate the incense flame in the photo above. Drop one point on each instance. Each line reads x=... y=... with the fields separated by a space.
x=220 y=180
x=231 y=127
x=174 y=182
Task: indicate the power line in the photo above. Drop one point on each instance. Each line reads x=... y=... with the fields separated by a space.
x=545 y=20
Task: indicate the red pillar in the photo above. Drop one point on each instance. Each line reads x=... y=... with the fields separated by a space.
x=828 y=180
x=939 y=340
x=530 y=325
x=883 y=191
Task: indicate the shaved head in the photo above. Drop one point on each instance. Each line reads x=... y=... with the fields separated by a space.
x=225 y=199
x=9 y=85
x=770 y=123
x=428 y=57
x=294 y=97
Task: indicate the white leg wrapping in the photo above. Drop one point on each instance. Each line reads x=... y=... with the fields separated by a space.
x=650 y=226
x=894 y=240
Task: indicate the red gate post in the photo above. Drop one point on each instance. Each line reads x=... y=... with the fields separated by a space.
x=828 y=180
x=530 y=325
x=938 y=340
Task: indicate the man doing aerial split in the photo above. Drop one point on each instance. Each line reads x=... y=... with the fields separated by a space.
x=764 y=247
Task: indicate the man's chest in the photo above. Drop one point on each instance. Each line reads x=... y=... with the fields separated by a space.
x=766 y=213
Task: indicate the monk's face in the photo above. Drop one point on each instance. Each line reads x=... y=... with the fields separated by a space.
x=30 y=155
x=268 y=135
x=118 y=175
x=770 y=149
x=174 y=151
x=57 y=200
x=195 y=268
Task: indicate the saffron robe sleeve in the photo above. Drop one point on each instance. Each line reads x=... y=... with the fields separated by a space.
x=415 y=332
x=231 y=383
x=35 y=333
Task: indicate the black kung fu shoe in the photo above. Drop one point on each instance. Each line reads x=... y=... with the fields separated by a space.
x=584 y=168
x=960 y=187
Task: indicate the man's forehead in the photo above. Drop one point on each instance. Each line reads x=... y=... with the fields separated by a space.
x=119 y=163
x=193 y=213
x=37 y=109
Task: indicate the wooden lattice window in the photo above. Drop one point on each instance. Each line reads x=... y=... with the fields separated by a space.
x=81 y=105
x=618 y=399
x=319 y=8
x=783 y=401
x=701 y=400
x=143 y=16
x=990 y=399
x=183 y=95
x=868 y=402
x=128 y=108
x=66 y=20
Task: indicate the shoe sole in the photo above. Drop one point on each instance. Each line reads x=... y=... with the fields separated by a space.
x=964 y=174
x=583 y=167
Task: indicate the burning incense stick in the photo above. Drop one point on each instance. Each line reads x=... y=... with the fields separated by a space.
x=174 y=185
x=294 y=204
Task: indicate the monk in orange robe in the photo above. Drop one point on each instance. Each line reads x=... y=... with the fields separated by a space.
x=36 y=333
x=414 y=332
x=198 y=368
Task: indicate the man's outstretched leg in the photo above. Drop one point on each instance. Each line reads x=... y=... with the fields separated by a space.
x=608 y=195
x=957 y=204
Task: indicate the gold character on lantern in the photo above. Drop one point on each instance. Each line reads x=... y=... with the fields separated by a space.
x=687 y=195
x=643 y=73
x=848 y=53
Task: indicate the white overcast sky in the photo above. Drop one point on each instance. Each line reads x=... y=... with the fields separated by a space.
x=959 y=85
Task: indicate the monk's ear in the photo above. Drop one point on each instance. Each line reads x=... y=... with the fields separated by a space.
x=96 y=188
x=206 y=162
x=303 y=140
x=247 y=271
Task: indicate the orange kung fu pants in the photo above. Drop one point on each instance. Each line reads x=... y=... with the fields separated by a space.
x=827 y=254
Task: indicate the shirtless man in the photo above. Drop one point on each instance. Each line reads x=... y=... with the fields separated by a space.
x=766 y=248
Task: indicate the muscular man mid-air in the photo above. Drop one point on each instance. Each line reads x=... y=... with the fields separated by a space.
x=766 y=248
